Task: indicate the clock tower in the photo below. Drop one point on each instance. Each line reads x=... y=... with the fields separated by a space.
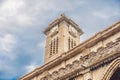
x=62 y=34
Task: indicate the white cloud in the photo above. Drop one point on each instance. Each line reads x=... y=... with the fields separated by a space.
x=27 y=18
x=7 y=45
x=100 y=15
x=31 y=67
x=3 y=65
x=26 y=13
x=12 y=6
x=15 y=12
x=8 y=42
x=42 y=44
x=9 y=9
x=106 y=13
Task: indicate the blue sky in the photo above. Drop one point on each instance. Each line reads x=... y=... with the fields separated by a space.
x=22 y=23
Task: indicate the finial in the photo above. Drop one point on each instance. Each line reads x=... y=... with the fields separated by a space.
x=62 y=14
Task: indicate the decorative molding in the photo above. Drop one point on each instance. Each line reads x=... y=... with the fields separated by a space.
x=93 y=60
x=111 y=69
x=78 y=49
x=54 y=33
x=59 y=20
x=72 y=34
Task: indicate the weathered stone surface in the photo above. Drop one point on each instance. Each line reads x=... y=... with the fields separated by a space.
x=89 y=60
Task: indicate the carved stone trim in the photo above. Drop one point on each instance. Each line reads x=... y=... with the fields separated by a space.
x=93 y=60
x=54 y=33
x=72 y=34
x=78 y=49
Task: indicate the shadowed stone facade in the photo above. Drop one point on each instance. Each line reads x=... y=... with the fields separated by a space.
x=97 y=58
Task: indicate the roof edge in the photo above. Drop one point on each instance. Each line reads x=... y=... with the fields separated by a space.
x=62 y=18
x=80 y=46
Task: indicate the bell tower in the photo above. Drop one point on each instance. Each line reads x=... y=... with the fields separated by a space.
x=62 y=35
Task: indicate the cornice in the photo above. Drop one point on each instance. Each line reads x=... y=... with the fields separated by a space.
x=59 y=20
x=65 y=56
x=90 y=62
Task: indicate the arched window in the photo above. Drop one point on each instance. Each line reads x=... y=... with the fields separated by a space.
x=116 y=75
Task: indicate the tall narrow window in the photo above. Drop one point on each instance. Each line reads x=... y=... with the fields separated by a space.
x=69 y=43
x=54 y=47
x=51 y=48
x=72 y=43
x=57 y=45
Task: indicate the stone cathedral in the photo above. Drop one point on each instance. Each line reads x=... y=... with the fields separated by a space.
x=66 y=58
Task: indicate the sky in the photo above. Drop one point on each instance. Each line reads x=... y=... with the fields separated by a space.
x=22 y=22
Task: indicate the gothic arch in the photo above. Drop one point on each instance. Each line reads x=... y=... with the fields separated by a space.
x=111 y=69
